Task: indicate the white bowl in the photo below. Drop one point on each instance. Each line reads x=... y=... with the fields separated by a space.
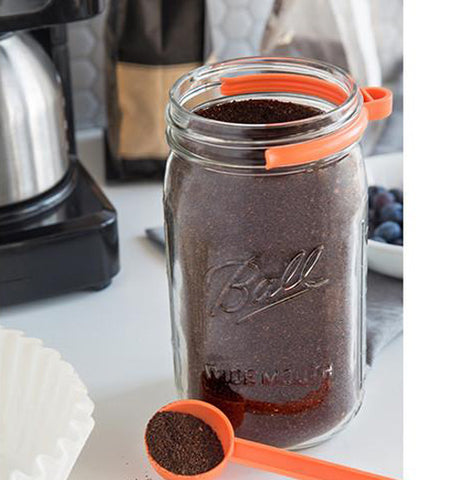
x=386 y=171
x=45 y=411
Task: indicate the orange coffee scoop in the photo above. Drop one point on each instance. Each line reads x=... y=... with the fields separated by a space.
x=254 y=454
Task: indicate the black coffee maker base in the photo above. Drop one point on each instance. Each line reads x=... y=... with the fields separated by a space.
x=71 y=246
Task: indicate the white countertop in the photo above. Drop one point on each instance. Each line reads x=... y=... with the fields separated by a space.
x=118 y=340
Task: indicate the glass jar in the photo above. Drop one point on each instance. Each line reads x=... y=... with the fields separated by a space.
x=266 y=260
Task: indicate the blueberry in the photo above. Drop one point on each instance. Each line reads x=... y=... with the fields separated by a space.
x=392 y=211
x=382 y=199
x=398 y=241
x=372 y=191
x=398 y=193
x=389 y=231
x=376 y=238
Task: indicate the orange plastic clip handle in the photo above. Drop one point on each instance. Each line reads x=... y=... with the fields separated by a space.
x=378 y=103
x=294 y=465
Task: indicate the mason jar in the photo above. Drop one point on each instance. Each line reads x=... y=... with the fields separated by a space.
x=266 y=234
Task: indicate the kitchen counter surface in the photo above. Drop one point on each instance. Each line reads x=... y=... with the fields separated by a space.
x=118 y=340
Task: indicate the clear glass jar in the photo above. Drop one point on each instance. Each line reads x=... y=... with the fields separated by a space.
x=267 y=266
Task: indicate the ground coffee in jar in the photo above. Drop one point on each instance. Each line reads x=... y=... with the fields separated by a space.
x=265 y=202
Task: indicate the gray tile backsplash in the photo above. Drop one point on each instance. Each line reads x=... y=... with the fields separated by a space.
x=87 y=60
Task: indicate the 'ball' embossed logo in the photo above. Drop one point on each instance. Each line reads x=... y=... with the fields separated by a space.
x=240 y=289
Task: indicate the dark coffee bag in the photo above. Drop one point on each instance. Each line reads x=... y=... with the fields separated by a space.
x=149 y=44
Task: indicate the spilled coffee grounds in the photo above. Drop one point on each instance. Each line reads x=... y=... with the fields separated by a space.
x=182 y=443
x=258 y=111
x=267 y=282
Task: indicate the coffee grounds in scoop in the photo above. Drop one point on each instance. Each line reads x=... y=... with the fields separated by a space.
x=263 y=111
x=182 y=443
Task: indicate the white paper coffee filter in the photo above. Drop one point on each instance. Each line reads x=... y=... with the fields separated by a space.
x=45 y=411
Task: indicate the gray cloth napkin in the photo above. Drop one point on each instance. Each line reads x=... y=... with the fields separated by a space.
x=384 y=305
x=384 y=312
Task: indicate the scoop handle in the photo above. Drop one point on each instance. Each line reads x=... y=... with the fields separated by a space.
x=294 y=465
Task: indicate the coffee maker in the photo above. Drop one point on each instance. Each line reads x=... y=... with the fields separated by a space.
x=58 y=231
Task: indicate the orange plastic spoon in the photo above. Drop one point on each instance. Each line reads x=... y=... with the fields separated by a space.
x=254 y=454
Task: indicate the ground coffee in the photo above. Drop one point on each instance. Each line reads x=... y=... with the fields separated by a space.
x=258 y=111
x=267 y=278
x=182 y=443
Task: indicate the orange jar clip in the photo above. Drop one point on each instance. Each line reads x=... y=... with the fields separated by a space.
x=377 y=104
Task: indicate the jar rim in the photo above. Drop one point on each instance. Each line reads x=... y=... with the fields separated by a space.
x=246 y=63
x=203 y=85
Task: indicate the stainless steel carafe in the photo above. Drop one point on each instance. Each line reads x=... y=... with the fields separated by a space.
x=33 y=144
